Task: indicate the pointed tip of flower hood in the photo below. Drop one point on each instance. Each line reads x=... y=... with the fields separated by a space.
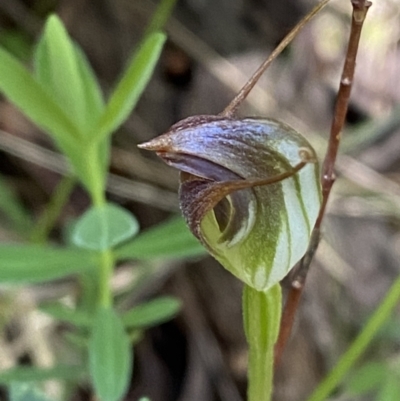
x=164 y=142
x=159 y=144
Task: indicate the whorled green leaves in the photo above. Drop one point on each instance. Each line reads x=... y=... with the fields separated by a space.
x=63 y=97
x=249 y=191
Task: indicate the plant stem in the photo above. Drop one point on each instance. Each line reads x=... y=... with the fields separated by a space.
x=49 y=216
x=97 y=193
x=261 y=316
x=106 y=271
x=96 y=182
x=347 y=360
x=299 y=274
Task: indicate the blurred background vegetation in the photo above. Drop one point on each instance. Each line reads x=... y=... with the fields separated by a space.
x=214 y=45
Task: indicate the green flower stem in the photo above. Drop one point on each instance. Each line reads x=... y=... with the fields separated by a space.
x=261 y=315
x=49 y=217
x=346 y=362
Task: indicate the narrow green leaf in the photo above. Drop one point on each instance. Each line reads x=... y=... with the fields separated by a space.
x=160 y=16
x=152 y=313
x=103 y=227
x=32 y=99
x=359 y=345
x=32 y=373
x=390 y=390
x=368 y=377
x=109 y=356
x=168 y=240
x=43 y=109
x=35 y=263
x=64 y=313
x=13 y=209
x=19 y=391
x=92 y=92
x=59 y=71
x=130 y=87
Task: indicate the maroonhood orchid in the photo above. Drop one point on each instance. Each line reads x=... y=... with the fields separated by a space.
x=249 y=191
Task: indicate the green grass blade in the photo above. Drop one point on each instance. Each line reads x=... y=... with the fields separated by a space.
x=368 y=377
x=359 y=345
x=130 y=87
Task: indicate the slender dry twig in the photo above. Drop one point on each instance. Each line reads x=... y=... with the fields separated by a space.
x=231 y=109
x=299 y=274
x=116 y=185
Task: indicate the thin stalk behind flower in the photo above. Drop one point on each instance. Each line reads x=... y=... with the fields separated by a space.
x=298 y=275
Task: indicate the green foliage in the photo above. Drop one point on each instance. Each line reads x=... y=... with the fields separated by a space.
x=370 y=330
x=63 y=313
x=56 y=57
x=151 y=313
x=130 y=87
x=378 y=378
x=171 y=239
x=367 y=378
x=63 y=97
x=37 y=263
x=21 y=88
x=103 y=227
x=65 y=100
x=110 y=356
